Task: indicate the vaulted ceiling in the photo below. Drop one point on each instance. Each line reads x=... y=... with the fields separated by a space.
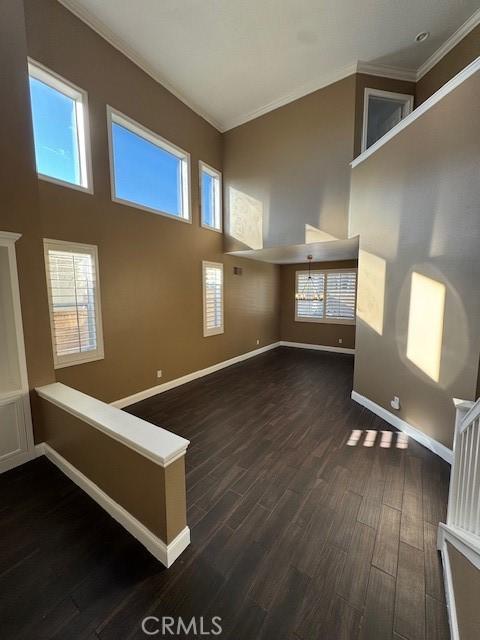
x=232 y=60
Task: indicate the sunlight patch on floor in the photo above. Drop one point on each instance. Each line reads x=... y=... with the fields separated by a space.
x=368 y=438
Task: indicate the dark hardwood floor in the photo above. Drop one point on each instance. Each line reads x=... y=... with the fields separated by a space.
x=295 y=534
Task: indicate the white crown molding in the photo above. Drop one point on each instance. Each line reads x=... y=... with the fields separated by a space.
x=165 y=553
x=448 y=45
x=421 y=437
x=447 y=88
x=380 y=70
x=387 y=71
x=306 y=89
x=9 y=237
x=107 y=34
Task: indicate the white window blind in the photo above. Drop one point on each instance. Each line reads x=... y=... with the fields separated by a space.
x=212 y=298
x=336 y=290
x=311 y=308
x=74 y=302
x=340 y=299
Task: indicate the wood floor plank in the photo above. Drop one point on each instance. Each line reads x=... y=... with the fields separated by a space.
x=343 y=622
x=409 y=619
x=413 y=475
x=385 y=553
x=411 y=525
x=289 y=601
x=344 y=522
x=379 y=608
x=354 y=580
x=369 y=512
x=320 y=597
x=436 y=620
x=394 y=482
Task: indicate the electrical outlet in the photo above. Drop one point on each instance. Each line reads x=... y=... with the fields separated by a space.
x=340 y=341
x=258 y=341
x=159 y=373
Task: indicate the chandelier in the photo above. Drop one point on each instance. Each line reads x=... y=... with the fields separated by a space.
x=309 y=290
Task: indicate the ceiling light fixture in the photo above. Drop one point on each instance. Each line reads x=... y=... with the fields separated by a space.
x=422 y=36
x=309 y=291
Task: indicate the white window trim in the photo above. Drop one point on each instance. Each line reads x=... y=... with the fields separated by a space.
x=325 y=320
x=217 y=330
x=203 y=167
x=55 y=81
x=72 y=359
x=114 y=116
x=406 y=110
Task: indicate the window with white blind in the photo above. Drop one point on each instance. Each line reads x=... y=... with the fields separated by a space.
x=330 y=296
x=74 y=302
x=212 y=298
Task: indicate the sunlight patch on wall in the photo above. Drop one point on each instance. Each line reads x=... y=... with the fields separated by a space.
x=246 y=219
x=371 y=290
x=313 y=234
x=425 y=324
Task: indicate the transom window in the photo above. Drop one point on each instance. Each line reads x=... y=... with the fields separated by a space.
x=329 y=296
x=147 y=171
x=74 y=302
x=382 y=110
x=59 y=116
x=212 y=298
x=210 y=197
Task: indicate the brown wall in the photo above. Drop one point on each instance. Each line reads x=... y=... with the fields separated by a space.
x=156 y=497
x=294 y=160
x=150 y=265
x=363 y=82
x=19 y=195
x=415 y=203
x=466 y=586
x=311 y=332
x=459 y=57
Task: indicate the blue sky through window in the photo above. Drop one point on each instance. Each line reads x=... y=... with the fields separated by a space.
x=145 y=174
x=55 y=133
x=208 y=199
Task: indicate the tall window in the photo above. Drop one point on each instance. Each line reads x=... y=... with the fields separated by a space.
x=211 y=197
x=212 y=298
x=74 y=302
x=333 y=299
x=146 y=170
x=59 y=115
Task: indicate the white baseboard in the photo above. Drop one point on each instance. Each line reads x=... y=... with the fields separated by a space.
x=166 y=554
x=316 y=347
x=171 y=384
x=427 y=441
